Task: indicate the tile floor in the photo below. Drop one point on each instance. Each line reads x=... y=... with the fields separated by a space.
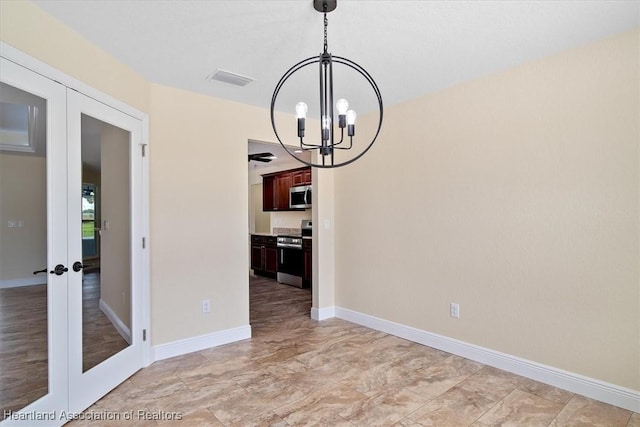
x=296 y=371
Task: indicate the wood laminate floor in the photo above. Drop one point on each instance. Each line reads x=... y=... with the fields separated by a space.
x=100 y=339
x=23 y=343
x=296 y=371
x=23 y=346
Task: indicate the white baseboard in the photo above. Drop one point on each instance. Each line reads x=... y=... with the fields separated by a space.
x=202 y=342
x=28 y=281
x=323 y=313
x=122 y=329
x=576 y=383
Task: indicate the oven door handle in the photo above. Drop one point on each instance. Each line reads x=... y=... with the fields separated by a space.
x=289 y=246
x=281 y=256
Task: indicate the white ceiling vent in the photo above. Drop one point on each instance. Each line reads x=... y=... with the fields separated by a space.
x=231 y=78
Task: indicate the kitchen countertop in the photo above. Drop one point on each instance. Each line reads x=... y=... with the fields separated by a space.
x=276 y=235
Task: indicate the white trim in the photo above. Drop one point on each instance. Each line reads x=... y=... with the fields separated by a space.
x=117 y=323
x=147 y=357
x=202 y=342
x=28 y=281
x=576 y=383
x=323 y=313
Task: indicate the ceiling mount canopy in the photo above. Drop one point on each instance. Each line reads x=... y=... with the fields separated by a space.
x=332 y=146
x=325 y=5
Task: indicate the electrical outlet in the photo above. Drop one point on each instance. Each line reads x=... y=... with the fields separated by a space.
x=455 y=310
x=206 y=306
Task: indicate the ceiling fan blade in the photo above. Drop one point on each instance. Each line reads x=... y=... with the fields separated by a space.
x=261 y=157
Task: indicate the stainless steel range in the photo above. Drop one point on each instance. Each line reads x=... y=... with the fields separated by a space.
x=290 y=260
x=291 y=256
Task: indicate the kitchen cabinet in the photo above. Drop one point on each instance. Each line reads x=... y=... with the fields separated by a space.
x=307 y=256
x=301 y=176
x=275 y=188
x=268 y=190
x=275 y=192
x=264 y=255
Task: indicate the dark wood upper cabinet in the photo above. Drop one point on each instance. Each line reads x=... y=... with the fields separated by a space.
x=281 y=191
x=268 y=192
x=275 y=188
x=301 y=177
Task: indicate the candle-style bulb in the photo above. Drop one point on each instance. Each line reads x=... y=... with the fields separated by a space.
x=351 y=117
x=342 y=106
x=351 y=122
x=301 y=110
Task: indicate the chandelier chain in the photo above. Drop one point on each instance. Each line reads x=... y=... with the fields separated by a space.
x=326 y=22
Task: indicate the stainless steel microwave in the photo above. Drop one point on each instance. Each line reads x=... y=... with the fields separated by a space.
x=300 y=197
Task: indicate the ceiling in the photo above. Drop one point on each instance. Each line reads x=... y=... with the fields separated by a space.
x=282 y=158
x=409 y=47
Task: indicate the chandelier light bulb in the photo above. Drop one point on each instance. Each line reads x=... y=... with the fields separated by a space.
x=351 y=117
x=342 y=106
x=301 y=110
x=326 y=126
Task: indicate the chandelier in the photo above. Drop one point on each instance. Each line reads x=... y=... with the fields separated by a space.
x=331 y=138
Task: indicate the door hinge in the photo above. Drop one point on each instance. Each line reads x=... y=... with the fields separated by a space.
x=144 y=335
x=144 y=150
x=144 y=242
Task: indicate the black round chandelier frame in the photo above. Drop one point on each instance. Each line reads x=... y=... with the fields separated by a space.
x=327 y=60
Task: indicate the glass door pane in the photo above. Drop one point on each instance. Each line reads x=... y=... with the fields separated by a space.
x=33 y=335
x=23 y=250
x=103 y=159
x=106 y=282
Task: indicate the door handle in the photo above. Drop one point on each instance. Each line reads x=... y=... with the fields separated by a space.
x=59 y=270
x=44 y=270
x=77 y=266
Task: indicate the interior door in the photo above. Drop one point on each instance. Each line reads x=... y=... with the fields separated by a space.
x=105 y=332
x=33 y=241
x=69 y=331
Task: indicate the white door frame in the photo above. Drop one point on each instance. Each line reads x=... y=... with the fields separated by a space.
x=86 y=387
x=57 y=290
x=22 y=59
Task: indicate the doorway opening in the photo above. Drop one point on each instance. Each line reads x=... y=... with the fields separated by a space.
x=267 y=223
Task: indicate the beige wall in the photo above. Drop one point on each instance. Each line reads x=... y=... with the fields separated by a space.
x=259 y=220
x=22 y=197
x=516 y=196
x=115 y=251
x=31 y=30
x=199 y=211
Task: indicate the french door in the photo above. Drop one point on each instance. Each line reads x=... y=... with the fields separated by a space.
x=70 y=326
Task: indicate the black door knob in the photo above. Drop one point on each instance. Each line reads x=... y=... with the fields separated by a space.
x=77 y=266
x=44 y=270
x=59 y=270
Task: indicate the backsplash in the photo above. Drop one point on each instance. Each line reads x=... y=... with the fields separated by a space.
x=287 y=231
